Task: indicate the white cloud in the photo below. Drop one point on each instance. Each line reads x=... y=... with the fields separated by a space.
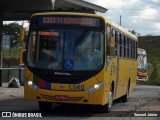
x=156 y=1
x=142 y=16
x=150 y=13
x=157 y=26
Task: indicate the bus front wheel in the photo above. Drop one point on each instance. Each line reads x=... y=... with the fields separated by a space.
x=45 y=106
x=106 y=108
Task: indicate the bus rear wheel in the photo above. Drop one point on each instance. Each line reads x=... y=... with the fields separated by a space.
x=106 y=108
x=45 y=106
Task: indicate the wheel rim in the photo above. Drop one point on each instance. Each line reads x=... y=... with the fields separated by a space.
x=110 y=99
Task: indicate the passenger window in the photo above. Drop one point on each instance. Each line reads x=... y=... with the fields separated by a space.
x=118 y=44
x=108 y=40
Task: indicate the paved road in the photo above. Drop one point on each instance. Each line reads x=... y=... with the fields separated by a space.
x=145 y=99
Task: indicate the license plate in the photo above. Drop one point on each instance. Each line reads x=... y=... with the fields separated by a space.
x=61 y=97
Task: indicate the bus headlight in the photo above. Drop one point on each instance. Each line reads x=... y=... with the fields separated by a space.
x=32 y=85
x=95 y=87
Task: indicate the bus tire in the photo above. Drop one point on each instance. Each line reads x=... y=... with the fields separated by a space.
x=125 y=97
x=45 y=106
x=107 y=107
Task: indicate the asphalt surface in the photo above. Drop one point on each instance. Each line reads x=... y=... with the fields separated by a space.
x=143 y=101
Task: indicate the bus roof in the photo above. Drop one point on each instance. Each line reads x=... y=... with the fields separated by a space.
x=121 y=29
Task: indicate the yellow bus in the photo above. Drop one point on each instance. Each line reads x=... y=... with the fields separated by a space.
x=142 y=72
x=79 y=58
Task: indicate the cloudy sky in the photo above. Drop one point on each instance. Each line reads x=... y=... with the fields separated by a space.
x=143 y=16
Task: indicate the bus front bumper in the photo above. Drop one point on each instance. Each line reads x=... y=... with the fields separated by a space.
x=75 y=97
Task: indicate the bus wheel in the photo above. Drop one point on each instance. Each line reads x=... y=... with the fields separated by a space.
x=125 y=97
x=45 y=106
x=106 y=108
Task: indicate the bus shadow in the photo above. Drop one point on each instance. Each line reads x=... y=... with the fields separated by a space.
x=85 y=111
x=70 y=110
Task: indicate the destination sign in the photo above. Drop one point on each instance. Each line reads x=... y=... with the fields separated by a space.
x=68 y=20
x=81 y=21
x=44 y=33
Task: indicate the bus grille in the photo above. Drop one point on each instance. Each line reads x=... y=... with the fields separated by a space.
x=48 y=97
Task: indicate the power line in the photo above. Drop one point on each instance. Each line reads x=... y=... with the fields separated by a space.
x=120 y=16
x=135 y=8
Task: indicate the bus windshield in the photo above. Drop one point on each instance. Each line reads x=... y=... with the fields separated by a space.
x=142 y=62
x=66 y=49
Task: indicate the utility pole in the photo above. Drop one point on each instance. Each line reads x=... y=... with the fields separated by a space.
x=119 y=16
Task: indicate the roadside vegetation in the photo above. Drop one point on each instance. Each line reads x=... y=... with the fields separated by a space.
x=152 y=46
x=11 y=54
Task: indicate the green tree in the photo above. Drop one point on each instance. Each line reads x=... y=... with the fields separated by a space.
x=134 y=32
x=154 y=74
x=12 y=29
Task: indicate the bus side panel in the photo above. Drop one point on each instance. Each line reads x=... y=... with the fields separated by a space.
x=109 y=77
x=112 y=76
x=128 y=74
x=126 y=70
x=133 y=75
x=123 y=76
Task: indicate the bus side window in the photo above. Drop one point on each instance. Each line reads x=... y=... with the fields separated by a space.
x=124 y=44
x=136 y=50
x=133 y=50
x=120 y=45
x=108 y=40
x=113 y=41
x=129 y=48
x=117 y=44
